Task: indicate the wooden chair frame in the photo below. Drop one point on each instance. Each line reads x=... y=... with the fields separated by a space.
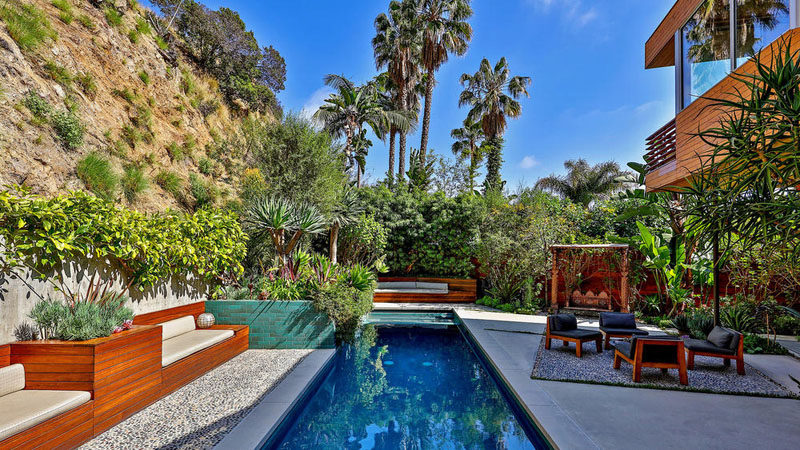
x=726 y=359
x=638 y=363
x=607 y=337
x=566 y=340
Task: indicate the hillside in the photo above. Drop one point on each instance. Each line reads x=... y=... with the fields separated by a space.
x=144 y=107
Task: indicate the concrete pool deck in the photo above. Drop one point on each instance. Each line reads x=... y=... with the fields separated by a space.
x=576 y=415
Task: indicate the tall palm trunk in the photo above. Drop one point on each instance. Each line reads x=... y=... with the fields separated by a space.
x=392 y=134
x=426 y=116
x=334 y=243
x=401 y=164
x=358 y=175
x=471 y=167
x=493 y=162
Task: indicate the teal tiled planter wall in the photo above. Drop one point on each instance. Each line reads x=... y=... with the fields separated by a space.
x=277 y=324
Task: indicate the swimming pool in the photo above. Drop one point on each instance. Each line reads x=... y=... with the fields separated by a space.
x=407 y=387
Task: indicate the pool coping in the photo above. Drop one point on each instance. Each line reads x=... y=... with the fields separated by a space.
x=261 y=423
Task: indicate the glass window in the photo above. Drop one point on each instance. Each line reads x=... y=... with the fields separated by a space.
x=706 y=48
x=758 y=23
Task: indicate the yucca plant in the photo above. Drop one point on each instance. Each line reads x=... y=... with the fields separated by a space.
x=738 y=318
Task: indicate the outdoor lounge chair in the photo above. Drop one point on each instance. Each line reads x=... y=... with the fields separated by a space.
x=618 y=325
x=664 y=352
x=721 y=343
x=564 y=327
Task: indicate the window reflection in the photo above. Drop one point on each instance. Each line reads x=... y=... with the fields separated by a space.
x=758 y=23
x=706 y=48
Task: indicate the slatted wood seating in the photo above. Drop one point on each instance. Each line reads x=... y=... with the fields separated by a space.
x=177 y=373
x=458 y=291
x=32 y=418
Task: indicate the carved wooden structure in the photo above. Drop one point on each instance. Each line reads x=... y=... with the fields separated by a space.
x=599 y=296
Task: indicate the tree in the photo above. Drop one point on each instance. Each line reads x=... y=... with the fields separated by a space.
x=467 y=145
x=346 y=112
x=491 y=93
x=397 y=44
x=276 y=219
x=583 y=183
x=445 y=31
x=345 y=212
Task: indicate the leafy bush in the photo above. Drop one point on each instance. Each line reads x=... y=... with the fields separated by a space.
x=82 y=320
x=188 y=85
x=37 y=105
x=363 y=242
x=738 y=318
x=428 y=234
x=96 y=173
x=58 y=73
x=26 y=332
x=87 y=84
x=133 y=36
x=204 y=193
x=787 y=325
x=133 y=183
x=79 y=225
x=681 y=323
x=170 y=182
x=205 y=166
x=345 y=305
x=69 y=128
x=142 y=26
x=754 y=344
x=700 y=324
x=27 y=24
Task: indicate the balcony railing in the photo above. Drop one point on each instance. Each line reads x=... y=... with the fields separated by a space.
x=660 y=147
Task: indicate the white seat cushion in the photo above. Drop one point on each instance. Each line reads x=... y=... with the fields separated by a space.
x=181 y=346
x=12 y=379
x=397 y=285
x=176 y=327
x=436 y=286
x=412 y=291
x=23 y=409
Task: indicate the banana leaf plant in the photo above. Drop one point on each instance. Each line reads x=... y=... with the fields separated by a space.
x=669 y=273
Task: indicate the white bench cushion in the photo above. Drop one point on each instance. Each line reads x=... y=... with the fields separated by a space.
x=397 y=285
x=23 y=409
x=437 y=286
x=176 y=327
x=12 y=379
x=181 y=346
x=412 y=291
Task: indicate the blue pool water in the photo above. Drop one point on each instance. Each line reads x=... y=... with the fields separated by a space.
x=407 y=388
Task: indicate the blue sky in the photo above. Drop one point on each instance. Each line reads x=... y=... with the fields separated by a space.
x=590 y=98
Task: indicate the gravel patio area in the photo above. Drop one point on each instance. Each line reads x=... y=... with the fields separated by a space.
x=560 y=363
x=199 y=414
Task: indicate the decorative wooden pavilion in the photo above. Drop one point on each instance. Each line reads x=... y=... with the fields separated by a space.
x=601 y=268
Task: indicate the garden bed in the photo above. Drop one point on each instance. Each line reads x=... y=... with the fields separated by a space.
x=560 y=364
x=277 y=324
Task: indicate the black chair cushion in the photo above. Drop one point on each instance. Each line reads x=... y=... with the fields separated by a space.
x=617 y=320
x=652 y=353
x=563 y=322
x=578 y=334
x=625 y=348
x=724 y=338
x=627 y=331
x=698 y=345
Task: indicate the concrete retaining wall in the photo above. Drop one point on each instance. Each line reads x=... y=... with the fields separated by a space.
x=277 y=324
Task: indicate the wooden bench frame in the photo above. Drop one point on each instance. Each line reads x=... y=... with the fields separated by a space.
x=68 y=429
x=638 y=363
x=187 y=369
x=566 y=340
x=459 y=290
x=726 y=359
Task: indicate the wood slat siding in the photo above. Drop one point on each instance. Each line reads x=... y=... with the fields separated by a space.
x=156 y=317
x=700 y=115
x=67 y=430
x=659 y=51
x=459 y=291
x=5 y=355
x=187 y=369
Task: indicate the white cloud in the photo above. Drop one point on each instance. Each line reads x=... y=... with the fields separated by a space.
x=316 y=100
x=575 y=12
x=529 y=162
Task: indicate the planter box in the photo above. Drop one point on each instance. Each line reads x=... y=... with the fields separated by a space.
x=277 y=324
x=122 y=371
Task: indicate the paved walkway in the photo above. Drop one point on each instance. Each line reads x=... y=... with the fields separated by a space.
x=791 y=344
x=580 y=416
x=200 y=414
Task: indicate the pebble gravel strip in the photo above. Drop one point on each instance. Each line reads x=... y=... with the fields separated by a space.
x=199 y=414
x=560 y=363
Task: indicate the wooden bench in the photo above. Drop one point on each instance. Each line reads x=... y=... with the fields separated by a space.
x=459 y=291
x=183 y=371
x=66 y=430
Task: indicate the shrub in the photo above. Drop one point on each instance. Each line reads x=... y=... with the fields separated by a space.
x=27 y=24
x=738 y=318
x=142 y=26
x=58 y=73
x=133 y=183
x=69 y=128
x=205 y=166
x=37 y=105
x=160 y=42
x=363 y=242
x=204 y=193
x=144 y=77
x=113 y=17
x=65 y=10
x=131 y=135
x=133 y=36
x=754 y=344
x=188 y=85
x=125 y=94
x=96 y=173
x=700 y=324
x=26 y=332
x=345 y=305
x=87 y=22
x=82 y=320
x=175 y=152
x=787 y=325
x=87 y=84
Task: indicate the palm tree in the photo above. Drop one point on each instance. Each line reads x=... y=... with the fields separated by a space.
x=467 y=145
x=345 y=212
x=492 y=94
x=445 y=31
x=347 y=111
x=277 y=219
x=397 y=44
x=361 y=146
x=583 y=183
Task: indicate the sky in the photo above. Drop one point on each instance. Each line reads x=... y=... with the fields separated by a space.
x=590 y=97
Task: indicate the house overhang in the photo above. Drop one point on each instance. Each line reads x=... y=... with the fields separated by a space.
x=659 y=51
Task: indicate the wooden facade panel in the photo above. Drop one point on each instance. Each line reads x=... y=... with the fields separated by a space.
x=701 y=115
x=659 y=51
x=153 y=318
x=5 y=355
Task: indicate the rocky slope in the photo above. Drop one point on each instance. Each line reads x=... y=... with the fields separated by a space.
x=140 y=105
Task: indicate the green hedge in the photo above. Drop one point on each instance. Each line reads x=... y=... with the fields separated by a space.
x=46 y=232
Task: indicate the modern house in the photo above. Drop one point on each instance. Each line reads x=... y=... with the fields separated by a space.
x=706 y=40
